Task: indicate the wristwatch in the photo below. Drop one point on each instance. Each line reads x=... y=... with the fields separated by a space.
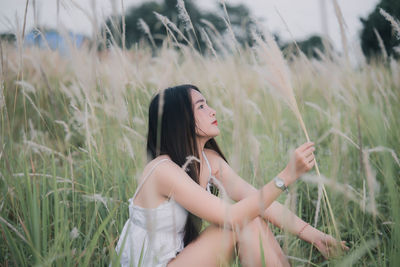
x=280 y=184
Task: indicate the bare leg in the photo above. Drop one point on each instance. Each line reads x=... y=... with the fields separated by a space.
x=249 y=245
x=214 y=247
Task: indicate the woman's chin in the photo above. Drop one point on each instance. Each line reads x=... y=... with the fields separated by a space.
x=215 y=134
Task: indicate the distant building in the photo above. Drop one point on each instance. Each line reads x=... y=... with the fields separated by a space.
x=55 y=41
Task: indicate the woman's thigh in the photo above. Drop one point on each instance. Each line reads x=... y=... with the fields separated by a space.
x=249 y=245
x=213 y=247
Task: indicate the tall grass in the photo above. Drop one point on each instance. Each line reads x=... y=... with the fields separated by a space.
x=72 y=142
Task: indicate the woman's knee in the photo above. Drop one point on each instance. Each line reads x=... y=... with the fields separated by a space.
x=214 y=246
x=250 y=237
x=256 y=227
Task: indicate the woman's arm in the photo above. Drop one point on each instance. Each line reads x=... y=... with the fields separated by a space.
x=238 y=189
x=282 y=217
x=172 y=181
x=276 y=213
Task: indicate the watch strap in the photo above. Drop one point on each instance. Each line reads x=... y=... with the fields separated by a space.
x=280 y=183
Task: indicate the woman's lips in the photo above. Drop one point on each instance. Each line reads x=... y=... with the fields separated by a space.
x=215 y=122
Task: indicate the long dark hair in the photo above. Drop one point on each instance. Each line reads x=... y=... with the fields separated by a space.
x=172 y=132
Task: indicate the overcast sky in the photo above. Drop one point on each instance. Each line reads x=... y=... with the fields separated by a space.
x=303 y=18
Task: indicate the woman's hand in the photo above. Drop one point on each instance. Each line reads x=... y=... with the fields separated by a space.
x=326 y=244
x=329 y=246
x=301 y=161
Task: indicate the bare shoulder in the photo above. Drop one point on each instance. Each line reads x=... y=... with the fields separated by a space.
x=212 y=154
x=157 y=167
x=160 y=174
x=167 y=165
x=216 y=161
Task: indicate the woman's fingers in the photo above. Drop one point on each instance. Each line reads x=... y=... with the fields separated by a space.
x=309 y=151
x=303 y=158
x=330 y=247
x=311 y=164
x=305 y=146
x=309 y=157
x=344 y=247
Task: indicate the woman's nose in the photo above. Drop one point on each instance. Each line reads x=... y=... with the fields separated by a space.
x=212 y=112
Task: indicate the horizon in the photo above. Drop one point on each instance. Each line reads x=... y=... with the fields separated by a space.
x=312 y=17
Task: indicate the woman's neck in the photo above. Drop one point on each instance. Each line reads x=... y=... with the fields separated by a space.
x=201 y=142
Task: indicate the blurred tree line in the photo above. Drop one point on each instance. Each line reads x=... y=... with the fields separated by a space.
x=240 y=19
x=375 y=24
x=140 y=18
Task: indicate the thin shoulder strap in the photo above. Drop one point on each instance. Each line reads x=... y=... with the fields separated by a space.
x=208 y=163
x=211 y=178
x=147 y=175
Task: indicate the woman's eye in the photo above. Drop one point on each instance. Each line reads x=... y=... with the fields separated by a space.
x=201 y=106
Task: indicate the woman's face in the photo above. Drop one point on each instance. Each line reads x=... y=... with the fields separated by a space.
x=206 y=123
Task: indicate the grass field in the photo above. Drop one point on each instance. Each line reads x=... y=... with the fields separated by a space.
x=73 y=130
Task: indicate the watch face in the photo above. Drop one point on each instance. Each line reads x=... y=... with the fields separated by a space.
x=279 y=183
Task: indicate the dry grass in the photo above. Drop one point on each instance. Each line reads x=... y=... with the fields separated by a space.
x=72 y=134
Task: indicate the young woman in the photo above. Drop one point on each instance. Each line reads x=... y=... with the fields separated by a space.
x=174 y=195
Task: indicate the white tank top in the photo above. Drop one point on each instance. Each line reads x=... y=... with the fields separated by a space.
x=154 y=236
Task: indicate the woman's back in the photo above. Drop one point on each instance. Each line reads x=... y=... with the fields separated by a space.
x=152 y=236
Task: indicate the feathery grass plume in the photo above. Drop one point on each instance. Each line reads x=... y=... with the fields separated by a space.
x=187 y=22
x=37 y=147
x=381 y=45
x=123 y=25
x=371 y=182
x=222 y=2
x=208 y=42
x=66 y=129
x=189 y=160
x=233 y=43
x=342 y=26
x=128 y=147
x=98 y=198
x=338 y=132
x=170 y=25
x=74 y=233
x=165 y=21
x=184 y=16
x=318 y=108
x=33 y=104
x=26 y=86
x=277 y=75
x=212 y=27
x=215 y=35
x=142 y=25
x=384 y=149
x=33 y=133
x=346 y=190
x=135 y=133
x=395 y=23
